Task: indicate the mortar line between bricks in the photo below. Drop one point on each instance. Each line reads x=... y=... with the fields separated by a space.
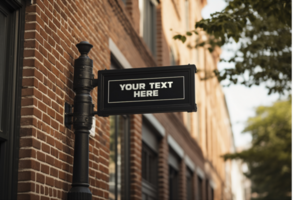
x=29 y=31
x=50 y=166
x=26 y=170
x=30 y=39
x=43 y=142
x=46 y=134
x=29 y=116
x=28 y=67
x=32 y=57
x=56 y=178
x=29 y=192
x=28 y=126
x=26 y=137
x=31 y=22
x=29 y=106
x=27 y=181
x=27 y=88
x=26 y=77
x=28 y=48
x=45 y=185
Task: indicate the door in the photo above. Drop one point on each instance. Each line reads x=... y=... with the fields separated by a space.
x=11 y=30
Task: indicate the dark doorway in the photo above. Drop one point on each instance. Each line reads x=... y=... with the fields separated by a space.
x=12 y=21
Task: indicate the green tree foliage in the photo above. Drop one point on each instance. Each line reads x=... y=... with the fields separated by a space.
x=269 y=158
x=264 y=29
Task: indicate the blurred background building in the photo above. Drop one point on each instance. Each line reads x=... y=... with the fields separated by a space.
x=150 y=156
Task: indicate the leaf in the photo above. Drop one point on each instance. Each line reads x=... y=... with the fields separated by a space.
x=177 y=37
x=188 y=33
x=183 y=39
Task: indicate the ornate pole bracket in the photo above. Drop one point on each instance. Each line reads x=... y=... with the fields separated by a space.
x=82 y=116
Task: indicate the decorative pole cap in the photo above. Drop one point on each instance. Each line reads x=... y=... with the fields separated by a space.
x=84 y=48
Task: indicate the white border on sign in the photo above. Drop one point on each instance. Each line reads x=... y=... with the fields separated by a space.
x=149 y=99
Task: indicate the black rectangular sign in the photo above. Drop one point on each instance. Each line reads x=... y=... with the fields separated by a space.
x=146 y=90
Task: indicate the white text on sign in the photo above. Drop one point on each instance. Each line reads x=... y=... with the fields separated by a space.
x=142 y=86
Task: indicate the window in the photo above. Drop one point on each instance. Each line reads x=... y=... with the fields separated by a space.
x=148 y=23
x=119 y=158
x=173 y=161
x=149 y=165
x=199 y=193
x=149 y=161
x=189 y=184
x=173 y=183
x=149 y=173
x=207 y=187
x=119 y=152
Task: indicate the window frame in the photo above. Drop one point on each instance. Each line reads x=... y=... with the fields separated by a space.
x=173 y=191
x=126 y=191
x=152 y=132
x=174 y=165
x=148 y=23
x=189 y=183
x=200 y=188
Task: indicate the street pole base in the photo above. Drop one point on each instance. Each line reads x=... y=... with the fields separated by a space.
x=79 y=193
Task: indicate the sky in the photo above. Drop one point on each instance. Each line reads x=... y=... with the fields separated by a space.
x=241 y=100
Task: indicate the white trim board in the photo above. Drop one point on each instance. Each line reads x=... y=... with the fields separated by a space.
x=175 y=146
x=200 y=173
x=117 y=53
x=212 y=184
x=156 y=124
x=189 y=163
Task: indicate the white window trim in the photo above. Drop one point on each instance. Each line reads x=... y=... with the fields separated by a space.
x=117 y=53
x=212 y=184
x=175 y=146
x=189 y=163
x=200 y=173
x=141 y=9
x=155 y=2
x=155 y=123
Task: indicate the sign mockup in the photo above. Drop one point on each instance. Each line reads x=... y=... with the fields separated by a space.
x=146 y=90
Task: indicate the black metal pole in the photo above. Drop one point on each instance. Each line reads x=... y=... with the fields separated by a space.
x=82 y=123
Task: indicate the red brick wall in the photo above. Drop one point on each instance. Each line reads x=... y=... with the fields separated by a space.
x=132 y=8
x=46 y=147
x=163 y=170
x=136 y=157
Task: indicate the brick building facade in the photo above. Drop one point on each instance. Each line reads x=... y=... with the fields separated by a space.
x=150 y=156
